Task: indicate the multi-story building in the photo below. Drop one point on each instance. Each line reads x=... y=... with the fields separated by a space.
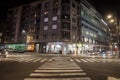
x=57 y=25
x=95 y=32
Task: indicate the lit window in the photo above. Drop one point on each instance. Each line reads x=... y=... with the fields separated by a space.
x=45 y=27
x=86 y=39
x=86 y=32
x=73 y=13
x=45 y=19
x=54 y=26
x=54 y=18
x=45 y=12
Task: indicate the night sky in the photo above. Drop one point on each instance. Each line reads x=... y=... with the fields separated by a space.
x=103 y=6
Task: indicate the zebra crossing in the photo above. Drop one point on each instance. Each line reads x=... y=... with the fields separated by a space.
x=44 y=59
x=86 y=60
x=58 y=70
x=91 y=60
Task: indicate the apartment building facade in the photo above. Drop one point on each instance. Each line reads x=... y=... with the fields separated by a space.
x=56 y=25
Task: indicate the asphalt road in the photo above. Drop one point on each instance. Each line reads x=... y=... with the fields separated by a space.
x=56 y=67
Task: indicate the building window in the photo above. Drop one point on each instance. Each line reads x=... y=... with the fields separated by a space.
x=73 y=13
x=45 y=19
x=74 y=20
x=55 y=2
x=66 y=35
x=46 y=5
x=54 y=18
x=54 y=26
x=86 y=32
x=45 y=27
x=86 y=39
x=37 y=36
x=44 y=36
x=73 y=5
x=55 y=10
x=54 y=35
x=46 y=12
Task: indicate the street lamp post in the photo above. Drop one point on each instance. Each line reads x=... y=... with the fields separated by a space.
x=24 y=39
x=114 y=21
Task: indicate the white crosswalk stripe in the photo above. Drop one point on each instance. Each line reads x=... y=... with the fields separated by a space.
x=58 y=70
x=83 y=78
x=93 y=60
x=43 y=60
x=37 y=60
x=84 y=60
x=65 y=70
x=89 y=60
x=30 y=59
x=71 y=60
x=50 y=60
x=77 y=60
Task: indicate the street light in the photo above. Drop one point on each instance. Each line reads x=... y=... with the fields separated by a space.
x=109 y=16
x=114 y=21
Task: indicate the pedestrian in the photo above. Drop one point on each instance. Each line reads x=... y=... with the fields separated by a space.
x=60 y=52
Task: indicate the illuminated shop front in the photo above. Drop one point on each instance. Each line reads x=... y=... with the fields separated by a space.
x=30 y=47
x=55 y=47
x=16 y=47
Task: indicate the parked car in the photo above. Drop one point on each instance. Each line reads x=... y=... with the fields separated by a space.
x=3 y=53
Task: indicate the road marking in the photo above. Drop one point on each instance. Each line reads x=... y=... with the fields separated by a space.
x=22 y=59
x=30 y=60
x=84 y=60
x=50 y=60
x=59 y=70
x=82 y=78
x=47 y=68
x=71 y=60
x=59 y=74
x=77 y=60
x=113 y=78
x=89 y=60
x=43 y=60
x=37 y=60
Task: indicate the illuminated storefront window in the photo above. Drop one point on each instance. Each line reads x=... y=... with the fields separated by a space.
x=86 y=39
x=30 y=47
